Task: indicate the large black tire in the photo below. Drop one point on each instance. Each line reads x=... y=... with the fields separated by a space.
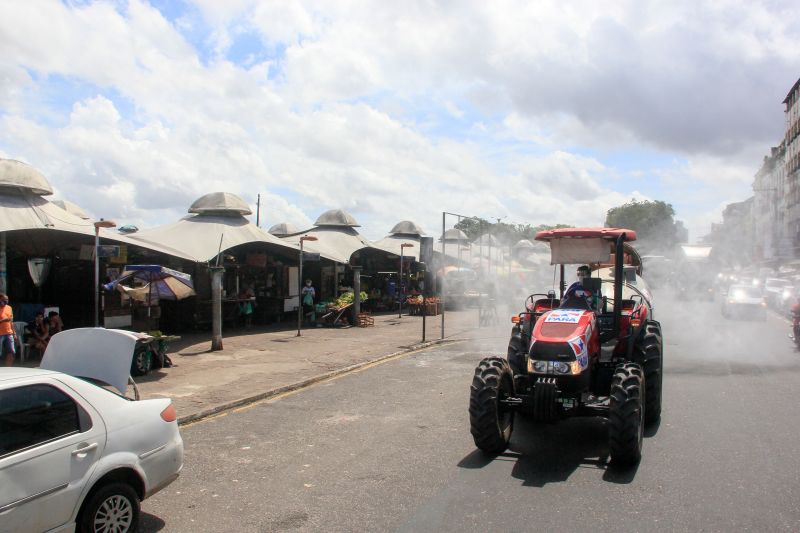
x=649 y=355
x=113 y=507
x=516 y=357
x=491 y=421
x=626 y=414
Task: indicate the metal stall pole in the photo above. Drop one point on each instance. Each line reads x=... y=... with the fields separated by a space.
x=400 y=285
x=424 y=293
x=3 y=260
x=444 y=257
x=300 y=290
x=356 y=291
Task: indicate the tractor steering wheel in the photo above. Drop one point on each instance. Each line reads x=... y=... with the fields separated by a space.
x=530 y=300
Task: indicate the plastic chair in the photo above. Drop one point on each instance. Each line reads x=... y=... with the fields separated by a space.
x=19 y=329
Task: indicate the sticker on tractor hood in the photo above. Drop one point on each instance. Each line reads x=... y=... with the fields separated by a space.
x=565 y=316
x=578 y=345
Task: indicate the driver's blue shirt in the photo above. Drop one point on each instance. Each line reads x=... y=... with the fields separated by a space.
x=576 y=290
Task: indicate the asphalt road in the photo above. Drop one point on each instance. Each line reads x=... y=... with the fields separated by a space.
x=389 y=449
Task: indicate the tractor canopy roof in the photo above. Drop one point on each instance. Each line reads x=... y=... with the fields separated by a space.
x=592 y=246
x=585 y=233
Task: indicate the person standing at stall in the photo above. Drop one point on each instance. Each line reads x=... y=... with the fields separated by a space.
x=6 y=330
x=308 y=295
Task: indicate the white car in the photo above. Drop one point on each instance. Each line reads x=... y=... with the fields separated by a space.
x=75 y=456
x=744 y=301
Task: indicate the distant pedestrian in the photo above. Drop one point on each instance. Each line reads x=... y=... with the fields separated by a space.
x=308 y=295
x=6 y=330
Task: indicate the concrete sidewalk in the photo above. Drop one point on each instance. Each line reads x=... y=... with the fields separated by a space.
x=254 y=365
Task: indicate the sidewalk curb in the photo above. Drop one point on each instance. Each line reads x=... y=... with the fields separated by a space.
x=227 y=406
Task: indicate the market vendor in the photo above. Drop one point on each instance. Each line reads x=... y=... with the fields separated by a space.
x=308 y=295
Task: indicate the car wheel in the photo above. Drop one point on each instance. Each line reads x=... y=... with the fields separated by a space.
x=112 y=508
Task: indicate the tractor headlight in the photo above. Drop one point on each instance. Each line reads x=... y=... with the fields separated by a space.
x=554 y=367
x=561 y=368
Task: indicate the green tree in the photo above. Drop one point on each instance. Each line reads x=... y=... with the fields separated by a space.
x=653 y=222
x=474 y=227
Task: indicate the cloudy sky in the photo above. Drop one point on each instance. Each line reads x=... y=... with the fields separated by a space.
x=533 y=112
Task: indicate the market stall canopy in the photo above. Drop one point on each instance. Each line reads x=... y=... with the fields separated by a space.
x=213 y=217
x=21 y=177
x=336 y=218
x=282 y=229
x=405 y=232
x=337 y=239
x=71 y=208
x=36 y=226
x=407 y=227
x=455 y=235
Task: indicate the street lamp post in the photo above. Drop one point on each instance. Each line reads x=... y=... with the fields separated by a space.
x=300 y=281
x=400 y=281
x=97 y=225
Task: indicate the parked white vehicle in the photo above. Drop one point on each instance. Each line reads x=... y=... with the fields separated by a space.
x=75 y=456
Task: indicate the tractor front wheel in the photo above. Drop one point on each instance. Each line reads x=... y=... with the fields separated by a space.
x=626 y=414
x=491 y=420
x=649 y=355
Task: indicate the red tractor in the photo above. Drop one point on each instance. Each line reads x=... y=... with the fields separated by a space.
x=593 y=355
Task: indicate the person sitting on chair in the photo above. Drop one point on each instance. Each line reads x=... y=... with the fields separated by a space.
x=40 y=333
x=577 y=295
x=54 y=322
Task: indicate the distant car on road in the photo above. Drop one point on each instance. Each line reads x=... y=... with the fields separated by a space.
x=744 y=301
x=775 y=289
x=75 y=456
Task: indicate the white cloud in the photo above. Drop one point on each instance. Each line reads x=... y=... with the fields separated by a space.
x=533 y=83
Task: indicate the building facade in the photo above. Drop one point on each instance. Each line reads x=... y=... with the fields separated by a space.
x=769 y=209
x=791 y=142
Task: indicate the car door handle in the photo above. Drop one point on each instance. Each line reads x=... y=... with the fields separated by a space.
x=84 y=449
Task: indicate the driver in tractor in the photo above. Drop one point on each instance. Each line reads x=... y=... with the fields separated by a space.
x=579 y=296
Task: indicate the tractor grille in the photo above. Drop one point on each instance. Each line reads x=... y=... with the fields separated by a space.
x=557 y=329
x=552 y=351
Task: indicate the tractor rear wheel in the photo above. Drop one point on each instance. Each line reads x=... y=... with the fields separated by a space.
x=626 y=414
x=491 y=421
x=649 y=356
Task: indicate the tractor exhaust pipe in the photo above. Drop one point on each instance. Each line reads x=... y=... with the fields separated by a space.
x=619 y=257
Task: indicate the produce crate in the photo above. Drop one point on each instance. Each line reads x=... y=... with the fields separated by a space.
x=365 y=320
x=433 y=309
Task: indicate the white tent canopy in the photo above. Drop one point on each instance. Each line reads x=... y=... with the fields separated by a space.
x=404 y=232
x=336 y=238
x=197 y=236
